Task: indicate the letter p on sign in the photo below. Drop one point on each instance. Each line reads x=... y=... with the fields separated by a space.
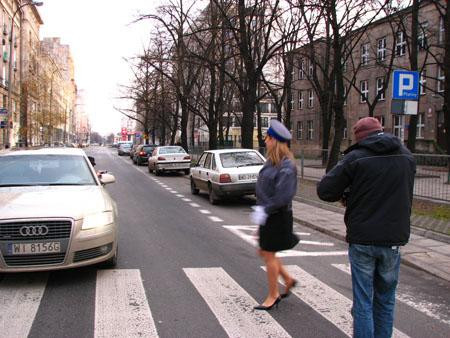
x=406 y=83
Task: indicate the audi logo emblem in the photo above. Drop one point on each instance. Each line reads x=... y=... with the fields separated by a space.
x=34 y=230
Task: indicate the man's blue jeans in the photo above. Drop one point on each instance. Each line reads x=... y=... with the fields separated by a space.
x=374 y=280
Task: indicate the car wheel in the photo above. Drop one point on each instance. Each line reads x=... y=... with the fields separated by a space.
x=194 y=190
x=112 y=262
x=213 y=199
x=187 y=171
x=157 y=172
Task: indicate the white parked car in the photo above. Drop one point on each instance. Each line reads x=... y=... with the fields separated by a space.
x=226 y=173
x=169 y=158
x=55 y=212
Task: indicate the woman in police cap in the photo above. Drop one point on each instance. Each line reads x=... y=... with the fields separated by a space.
x=275 y=189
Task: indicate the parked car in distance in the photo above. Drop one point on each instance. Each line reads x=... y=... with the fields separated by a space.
x=142 y=152
x=124 y=149
x=55 y=211
x=132 y=150
x=169 y=158
x=226 y=173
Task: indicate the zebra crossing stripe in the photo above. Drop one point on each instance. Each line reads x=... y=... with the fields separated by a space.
x=121 y=307
x=325 y=300
x=19 y=302
x=232 y=305
x=428 y=308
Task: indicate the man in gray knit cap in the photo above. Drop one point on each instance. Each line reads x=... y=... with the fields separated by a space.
x=376 y=180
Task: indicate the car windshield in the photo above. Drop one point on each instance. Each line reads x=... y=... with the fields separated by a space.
x=171 y=150
x=148 y=149
x=240 y=159
x=30 y=170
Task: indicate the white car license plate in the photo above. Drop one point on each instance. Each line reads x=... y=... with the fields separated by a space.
x=33 y=248
x=248 y=177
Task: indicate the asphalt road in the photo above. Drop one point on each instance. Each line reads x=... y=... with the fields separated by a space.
x=190 y=269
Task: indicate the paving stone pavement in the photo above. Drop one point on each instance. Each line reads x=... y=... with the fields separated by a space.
x=422 y=253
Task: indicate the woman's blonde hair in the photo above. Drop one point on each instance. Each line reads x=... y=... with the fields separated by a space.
x=279 y=151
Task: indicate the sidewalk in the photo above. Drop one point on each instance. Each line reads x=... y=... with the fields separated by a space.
x=422 y=253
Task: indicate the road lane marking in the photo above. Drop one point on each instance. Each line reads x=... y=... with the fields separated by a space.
x=232 y=305
x=249 y=234
x=19 y=302
x=186 y=199
x=121 y=307
x=203 y=211
x=174 y=192
x=326 y=301
x=430 y=309
x=302 y=233
x=316 y=243
x=195 y=205
x=179 y=195
x=215 y=219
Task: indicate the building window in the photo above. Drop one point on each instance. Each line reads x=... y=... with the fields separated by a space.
x=423 y=82
x=364 y=89
x=380 y=88
x=300 y=99
x=364 y=54
x=441 y=30
x=264 y=122
x=310 y=126
x=311 y=69
x=299 y=130
x=422 y=35
x=398 y=126
x=310 y=98
x=292 y=99
x=345 y=136
x=345 y=95
x=420 y=125
x=400 y=44
x=381 y=49
x=301 y=69
x=440 y=80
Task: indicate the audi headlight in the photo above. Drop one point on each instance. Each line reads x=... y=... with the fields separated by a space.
x=97 y=220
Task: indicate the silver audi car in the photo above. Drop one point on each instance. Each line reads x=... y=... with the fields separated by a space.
x=54 y=211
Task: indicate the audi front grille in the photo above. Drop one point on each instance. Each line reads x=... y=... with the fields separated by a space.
x=56 y=230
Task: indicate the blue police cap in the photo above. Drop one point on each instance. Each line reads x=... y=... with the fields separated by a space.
x=278 y=131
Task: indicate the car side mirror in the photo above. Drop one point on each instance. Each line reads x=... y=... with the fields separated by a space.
x=106 y=178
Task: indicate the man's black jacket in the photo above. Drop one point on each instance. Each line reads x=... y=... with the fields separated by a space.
x=376 y=179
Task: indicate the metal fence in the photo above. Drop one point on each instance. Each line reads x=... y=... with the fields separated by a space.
x=432 y=176
x=431 y=181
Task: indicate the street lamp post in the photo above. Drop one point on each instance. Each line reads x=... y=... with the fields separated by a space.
x=11 y=35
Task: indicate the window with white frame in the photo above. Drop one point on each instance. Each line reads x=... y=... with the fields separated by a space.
x=420 y=125
x=364 y=54
x=423 y=82
x=440 y=80
x=292 y=99
x=310 y=126
x=381 y=49
x=310 y=98
x=301 y=69
x=264 y=122
x=311 y=69
x=300 y=99
x=364 y=89
x=399 y=126
x=380 y=88
x=422 y=35
x=299 y=130
x=441 y=30
x=400 y=44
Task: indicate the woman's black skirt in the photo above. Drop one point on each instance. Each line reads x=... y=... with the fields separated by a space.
x=276 y=234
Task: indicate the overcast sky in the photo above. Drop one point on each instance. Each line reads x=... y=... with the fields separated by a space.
x=100 y=36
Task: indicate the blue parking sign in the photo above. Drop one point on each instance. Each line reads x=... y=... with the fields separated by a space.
x=405 y=85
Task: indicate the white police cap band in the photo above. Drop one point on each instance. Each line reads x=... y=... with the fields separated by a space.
x=278 y=131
